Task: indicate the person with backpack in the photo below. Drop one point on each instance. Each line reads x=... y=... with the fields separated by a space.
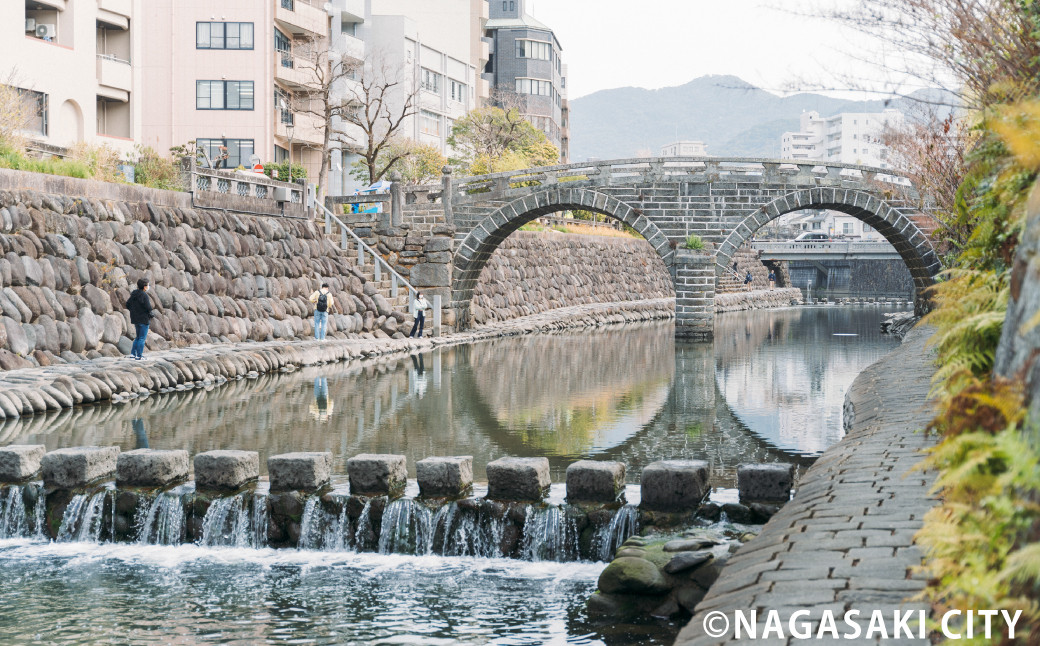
x=323 y=304
x=747 y=280
x=141 y=314
x=421 y=305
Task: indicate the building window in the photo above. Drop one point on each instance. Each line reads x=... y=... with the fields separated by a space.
x=283 y=104
x=39 y=125
x=458 y=91
x=536 y=87
x=867 y=228
x=223 y=95
x=512 y=5
x=289 y=5
x=280 y=154
x=224 y=35
x=348 y=28
x=283 y=45
x=815 y=225
x=431 y=81
x=534 y=49
x=238 y=151
x=430 y=123
x=505 y=6
x=846 y=228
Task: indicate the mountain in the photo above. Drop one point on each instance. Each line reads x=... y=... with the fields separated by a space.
x=731 y=116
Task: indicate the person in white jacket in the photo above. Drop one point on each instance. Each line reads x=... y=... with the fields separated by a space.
x=421 y=305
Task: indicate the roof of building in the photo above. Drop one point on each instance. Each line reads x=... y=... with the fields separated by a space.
x=525 y=21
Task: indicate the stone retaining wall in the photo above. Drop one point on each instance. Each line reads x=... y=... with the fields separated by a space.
x=758 y=299
x=533 y=272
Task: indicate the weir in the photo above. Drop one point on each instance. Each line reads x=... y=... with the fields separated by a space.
x=144 y=497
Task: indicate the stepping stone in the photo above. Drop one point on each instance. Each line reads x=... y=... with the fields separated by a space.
x=78 y=466
x=226 y=470
x=444 y=477
x=674 y=485
x=20 y=462
x=151 y=467
x=299 y=471
x=595 y=481
x=518 y=479
x=377 y=474
x=765 y=482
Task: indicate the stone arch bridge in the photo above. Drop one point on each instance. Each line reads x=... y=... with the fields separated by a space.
x=722 y=200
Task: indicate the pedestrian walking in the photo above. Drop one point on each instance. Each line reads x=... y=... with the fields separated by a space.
x=323 y=304
x=421 y=305
x=772 y=278
x=747 y=280
x=140 y=307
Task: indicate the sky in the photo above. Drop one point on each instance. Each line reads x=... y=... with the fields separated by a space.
x=661 y=43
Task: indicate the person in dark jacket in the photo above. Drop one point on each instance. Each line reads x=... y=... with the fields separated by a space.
x=140 y=307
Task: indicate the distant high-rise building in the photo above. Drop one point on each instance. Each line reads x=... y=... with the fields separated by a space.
x=848 y=138
x=526 y=67
x=73 y=60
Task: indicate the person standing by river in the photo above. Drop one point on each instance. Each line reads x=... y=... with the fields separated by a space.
x=323 y=304
x=772 y=278
x=421 y=304
x=140 y=307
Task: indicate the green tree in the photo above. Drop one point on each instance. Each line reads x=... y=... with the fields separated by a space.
x=493 y=139
x=417 y=163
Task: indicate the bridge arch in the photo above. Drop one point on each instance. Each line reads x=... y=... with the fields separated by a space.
x=475 y=249
x=912 y=244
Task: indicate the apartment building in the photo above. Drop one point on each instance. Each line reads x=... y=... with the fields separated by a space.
x=225 y=74
x=73 y=59
x=848 y=138
x=435 y=49
x=526 y=66
x=685 y=149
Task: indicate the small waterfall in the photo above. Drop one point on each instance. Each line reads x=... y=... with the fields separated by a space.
x=549 y=535
x=470 y=532
x=610 y=537
x=321 y=530
x=236 y=521
x=407 y=528
x=364 y=526
x=82 y=518
x=161 y=522
x=13 y=520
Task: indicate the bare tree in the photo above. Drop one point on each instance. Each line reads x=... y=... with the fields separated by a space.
x=981 y=52
x=322 y=97
x=376 y=104
x=19 y=110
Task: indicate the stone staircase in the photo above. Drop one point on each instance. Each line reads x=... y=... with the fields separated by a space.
x=385 y=284
x=746 y=258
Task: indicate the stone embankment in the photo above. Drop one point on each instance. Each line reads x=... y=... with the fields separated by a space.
x=533 y=272
x=36 y=390
x=69 y=265
x=846 y=539
x=758 y=299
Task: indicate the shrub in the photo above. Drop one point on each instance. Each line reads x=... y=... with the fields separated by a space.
x=13 y=160
x=298 y=171
x=102 y=160
x=693 y=242
x=155 y=171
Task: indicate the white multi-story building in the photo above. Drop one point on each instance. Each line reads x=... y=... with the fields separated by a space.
x=848 y=138
x=73 y=57
x=685 y=149
x=436 y=48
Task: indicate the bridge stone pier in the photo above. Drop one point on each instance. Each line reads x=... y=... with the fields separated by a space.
x=724 y=201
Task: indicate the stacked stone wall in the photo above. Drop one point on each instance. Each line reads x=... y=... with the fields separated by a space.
x=69 y=263
x=533 y=272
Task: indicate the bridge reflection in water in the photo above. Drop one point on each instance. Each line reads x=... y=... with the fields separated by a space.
x=769 y=388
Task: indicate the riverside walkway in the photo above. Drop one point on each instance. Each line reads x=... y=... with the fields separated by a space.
x=846 y=539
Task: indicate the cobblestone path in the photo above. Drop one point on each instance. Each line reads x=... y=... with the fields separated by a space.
x=846 y=539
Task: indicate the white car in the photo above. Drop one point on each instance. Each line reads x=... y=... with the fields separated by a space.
x=813 y=236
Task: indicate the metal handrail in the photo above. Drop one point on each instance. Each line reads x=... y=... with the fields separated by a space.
x=377 y=259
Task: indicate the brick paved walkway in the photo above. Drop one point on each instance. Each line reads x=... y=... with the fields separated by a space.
x=846 y=539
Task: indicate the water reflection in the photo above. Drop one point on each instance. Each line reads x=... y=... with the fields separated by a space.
x=770 y=388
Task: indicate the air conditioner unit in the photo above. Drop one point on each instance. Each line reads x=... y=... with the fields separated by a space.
x=30 y=25
x=282 y=194
x=45 y=31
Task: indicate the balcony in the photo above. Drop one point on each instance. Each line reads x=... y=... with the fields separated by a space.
x=354 y=10
x=290 y=72
x=115 y=12
x=352 y=47
x=300 y=18
x=308 y=130
x=60 y=5
x=115 y=79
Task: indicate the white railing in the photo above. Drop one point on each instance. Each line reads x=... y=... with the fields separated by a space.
x=229 y=182
x=362 y=249
x=842 y=248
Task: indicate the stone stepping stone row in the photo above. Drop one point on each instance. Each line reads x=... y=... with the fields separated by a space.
x=667 y=485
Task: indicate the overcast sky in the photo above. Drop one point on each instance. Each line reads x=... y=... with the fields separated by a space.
x=661 y=43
